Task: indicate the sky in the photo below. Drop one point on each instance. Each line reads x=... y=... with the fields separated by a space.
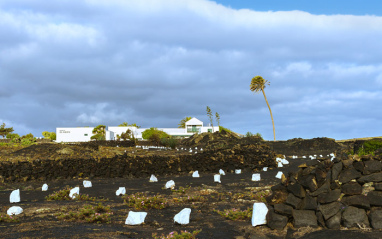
x=154 y=62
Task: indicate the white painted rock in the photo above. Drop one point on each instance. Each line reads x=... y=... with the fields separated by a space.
x=284 y=161
x=73 y=192
x=195 y=174
x=279 y=165
x=170 y=184
x=217 y=178
x=15 y=210
x=221 y=172
x=259 y=214
x=183 y=217
x=332 y=156
x=120 y=191
x=15 y=196
x=304 y=157
x=265 y=169
x=238 y=171
x=45 y=187
x=87 y=184
x=153 y=179
x=279 y=174
x=135 y=218
x=256 y=177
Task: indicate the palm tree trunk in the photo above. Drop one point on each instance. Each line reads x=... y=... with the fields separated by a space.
x=273 y=123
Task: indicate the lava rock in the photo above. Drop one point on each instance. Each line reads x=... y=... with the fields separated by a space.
x=283 y=209
x=372 y=166
x=336 y=170
x=297 y=190
x=360 y=201
x=293 y=201
x=308 y=182
x=329 y=197
x=276 y=221
x=320 y=219
x=329 y=210
x=375 y=198
x=348 y=174
x=375 y=177
x=359 y=166
x=378 y=186
x=351 y=188
x=375 y=217
x=304 y=218
x=355 y=217
x=335 y=221
x=323 y=189
x=308 y=203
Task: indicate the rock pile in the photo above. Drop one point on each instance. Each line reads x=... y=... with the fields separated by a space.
x=331 y=194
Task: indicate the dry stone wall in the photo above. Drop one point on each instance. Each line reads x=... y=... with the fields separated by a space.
x=331 y=194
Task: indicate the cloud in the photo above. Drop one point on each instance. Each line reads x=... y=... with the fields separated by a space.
x=155 y=62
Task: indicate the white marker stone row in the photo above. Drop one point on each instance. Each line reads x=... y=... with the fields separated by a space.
x=137 y=218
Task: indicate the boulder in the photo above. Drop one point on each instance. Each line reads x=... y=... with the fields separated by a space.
x=304 y=218
x=334 y=222
x=297 y=190
x=375 y=217
x=276 y=221
x=15 y=196
x=372 y=166
x=308 y=203
x=283 y=209
x=293 y=201
x=355 y=217
x=375 y=177
x=336 y=170
x=351 y=188
x=320 y=219
x=323 y=189
x=14 y=210
x=259 y=214
x=349 y=174
x=183 y=217
x=378 y=186
x=329 y=197
x=360 y=201
x=135 y=218
x=359 y=166
x=329 y=210
x=308 y=182
x=375 y=198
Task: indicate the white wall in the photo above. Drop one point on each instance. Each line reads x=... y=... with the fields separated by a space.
x=206 y=128
x=77 y=134
x=122 y=129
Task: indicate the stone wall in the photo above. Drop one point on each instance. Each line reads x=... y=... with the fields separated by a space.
x=331 y=194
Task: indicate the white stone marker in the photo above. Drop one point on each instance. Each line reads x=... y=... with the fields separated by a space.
x=135 y=218
x=15 y=210
x=195 y=174
x=153 y=179
x=183 y=217
x=73 y=192
x=120 y=191
x=256 y=177
x=279 y=174
x=87 y=184
x=304 y=157
x=170 y=184
x=265 y=169
x=221 y=172
x=284 y=161
x=280 y=165
x=44 y=187
x=332 y=155
x=238 y=171
x=259 y=214
x=217 y=178
x=15 y=196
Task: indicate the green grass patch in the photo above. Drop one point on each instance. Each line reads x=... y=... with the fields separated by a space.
x=89 y=213
x=235 y=214
x=141 y=201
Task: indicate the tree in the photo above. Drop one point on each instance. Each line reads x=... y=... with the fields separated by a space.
x=217 y=116
x=209 y=114
x=125 y=124
x=49 y=135
x=128 y=135
x=4 y=131
x=258 y=84
x=99 y=132
x=155 y=135
x=182 y=123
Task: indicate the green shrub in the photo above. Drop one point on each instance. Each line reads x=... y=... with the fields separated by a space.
x=63 y=195
x=369 y=147
x=142 y=201
x=7 y=218
x=89 y=213
x=235 y=214
x=169 y=142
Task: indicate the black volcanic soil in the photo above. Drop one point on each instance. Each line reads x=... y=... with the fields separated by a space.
x=39 y=217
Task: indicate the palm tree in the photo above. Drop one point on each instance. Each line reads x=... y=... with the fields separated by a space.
x=258 y=84
x=182 y=123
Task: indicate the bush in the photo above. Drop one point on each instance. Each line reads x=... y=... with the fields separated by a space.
x=176 y=235
x=169 y=142
x=236 y=214
x=369 y=147
x=142 y=201
x=63 y=195
x=89 y=213
x=155 y=135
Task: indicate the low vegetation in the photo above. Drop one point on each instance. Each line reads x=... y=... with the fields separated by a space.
x=235 y=214
x=176 y=235
x=63 y=195
x=142 y=201
x=7 y=218
x=88 y=213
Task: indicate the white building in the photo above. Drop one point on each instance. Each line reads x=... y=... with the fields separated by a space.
x=83 y=134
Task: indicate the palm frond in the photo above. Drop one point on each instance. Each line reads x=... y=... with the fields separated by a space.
x=258 y=84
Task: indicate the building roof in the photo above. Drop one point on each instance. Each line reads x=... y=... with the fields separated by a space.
x=194 y=121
